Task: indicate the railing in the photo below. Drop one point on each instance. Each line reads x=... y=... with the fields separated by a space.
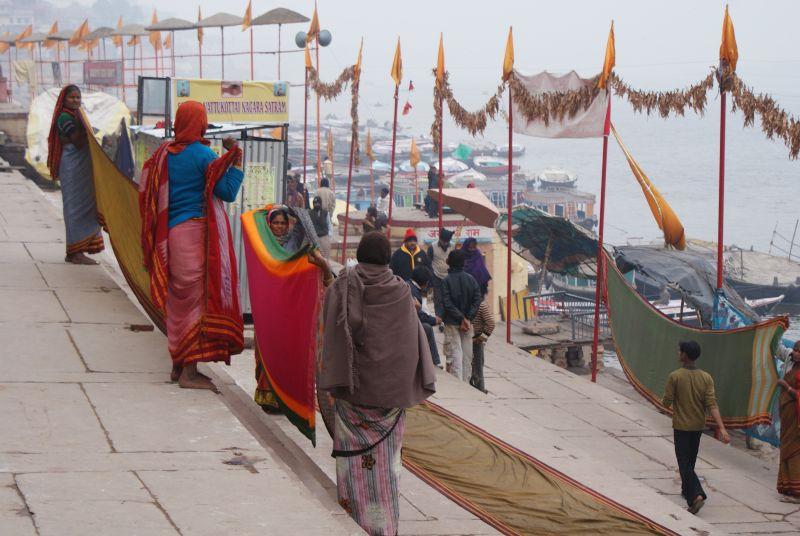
x=563 y=305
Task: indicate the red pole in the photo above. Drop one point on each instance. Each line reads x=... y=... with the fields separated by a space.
x=251 y=54
x=720 y=241
x=391 y=171
x=371 y=184
x=200 y=57
x=347 y=207
x=122 y=59
x=69 y=64
x=279 y=51
x=319 y=136
x=600 y=281
x=509 y=206
x=305 y=126
x=222 y=41
x=172 y=50
x=441 y=171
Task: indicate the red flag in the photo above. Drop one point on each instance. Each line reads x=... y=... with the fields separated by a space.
x=407 y=108
x=411 y=85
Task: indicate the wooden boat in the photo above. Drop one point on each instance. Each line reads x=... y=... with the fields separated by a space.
x=492 y=165
x=557 y=179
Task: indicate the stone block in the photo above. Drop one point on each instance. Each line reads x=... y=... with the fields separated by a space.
x=39 y=306
x=99 y=307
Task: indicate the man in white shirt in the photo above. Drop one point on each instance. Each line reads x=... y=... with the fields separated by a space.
x=328 y=199
x=383 y=205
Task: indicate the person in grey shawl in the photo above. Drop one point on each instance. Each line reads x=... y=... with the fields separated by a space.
x=373 y=379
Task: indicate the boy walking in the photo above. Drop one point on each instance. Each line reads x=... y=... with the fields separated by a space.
x=461 y=297
x=690 y=392
x=482 y=328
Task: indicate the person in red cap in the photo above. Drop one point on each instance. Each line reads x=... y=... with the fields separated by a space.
x=408 y=257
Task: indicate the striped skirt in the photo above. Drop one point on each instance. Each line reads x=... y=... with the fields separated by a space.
x=367 y=446
x=78 y=201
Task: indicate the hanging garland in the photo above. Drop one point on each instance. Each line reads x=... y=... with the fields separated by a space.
x=551 y=105
x=473 y=122
x=775 y=121
x=333 y=90
x=676 y=101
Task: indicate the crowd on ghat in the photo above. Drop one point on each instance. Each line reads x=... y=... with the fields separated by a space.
x=372 y=378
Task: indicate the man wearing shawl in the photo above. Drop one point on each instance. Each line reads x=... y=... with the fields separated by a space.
x=475 y=265
x=68 y=161
x=187 y=246
x=372 y=378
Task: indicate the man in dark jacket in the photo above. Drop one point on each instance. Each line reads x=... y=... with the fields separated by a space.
x=432 y=203
x=419 y=286
x=408 y=257
x=461 y=297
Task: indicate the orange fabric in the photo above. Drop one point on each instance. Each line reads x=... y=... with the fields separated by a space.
x=248 y=16
x=440 y=61
x=610 y=59
x=191 y=122
x=728 y=50
x=508 y=60
x=397 y=65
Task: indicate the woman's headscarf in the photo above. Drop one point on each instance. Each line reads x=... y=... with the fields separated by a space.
x=191 y=122
x=475 y=265
x=54 y=144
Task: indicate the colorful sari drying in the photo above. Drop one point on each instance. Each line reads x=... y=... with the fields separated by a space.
x=789 y=468
x=285 y=297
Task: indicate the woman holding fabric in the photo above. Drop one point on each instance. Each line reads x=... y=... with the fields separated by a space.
x=187 y=247
x=475 y=265
x=789 y=468
x=372 y=378
x=69 y=161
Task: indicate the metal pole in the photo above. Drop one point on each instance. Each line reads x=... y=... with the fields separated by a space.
x=251 y=54
x=305 y=126
x=279 y=51
x=720 y=240
x=794 y=234
x=441 y=149
x=200 y=57
x=122 y=59
x=391 y=170
x=509 y=205
x=222 y=40
x=600 y=252
x=347 y=207
x=41 y=64
x=319 y=142
x=172 y=50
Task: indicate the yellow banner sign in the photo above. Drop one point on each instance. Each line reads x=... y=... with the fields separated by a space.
x=228 y=101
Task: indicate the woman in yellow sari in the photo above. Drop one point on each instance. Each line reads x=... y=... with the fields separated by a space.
x=789 y=469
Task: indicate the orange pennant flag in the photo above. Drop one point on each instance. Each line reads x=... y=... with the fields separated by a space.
x=118 y=38
x=3 y=45
x=168 y=41
x=49 y=43
x=80 y=34
x=357 y=66
x=415 y=157
x=440 y=62
x=155 y=37
x=199 y=29
x=610 y=59
x=329 y=147
x=508 y=59
x=397 y=65
x=313 y=28
x=25 y=33
x=248 y=16
x=309 y=65
x=276 y=133
x=133 y=41
x=728 y=51
x=368 y=148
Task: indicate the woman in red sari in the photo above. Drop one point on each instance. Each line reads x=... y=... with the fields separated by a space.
x=187 y=247
x=789 y=469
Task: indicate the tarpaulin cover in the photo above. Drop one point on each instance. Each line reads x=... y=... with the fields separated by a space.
x=103 y=111
x=687 y=272
x=586 y=123
x=505 y=487
x=740 y=360
x=285 y=297
x=572 y=250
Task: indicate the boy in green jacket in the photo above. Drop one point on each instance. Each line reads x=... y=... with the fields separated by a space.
x=690 y=392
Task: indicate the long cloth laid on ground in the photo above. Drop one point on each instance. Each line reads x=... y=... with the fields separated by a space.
x=73 y=167
x=505 y=487
x=740 y=360
x=789 y=468
x=285 y=296
x=213 y=329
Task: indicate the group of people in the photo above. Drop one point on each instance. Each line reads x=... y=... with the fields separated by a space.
x=459 y=280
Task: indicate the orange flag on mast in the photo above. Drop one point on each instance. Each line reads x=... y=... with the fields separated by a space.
x=49 y=43
x=610 y=59
x=728 y=50
x=25 y=33
x=118 y=38
x=248 y=16
x=155 y=37
x=414 y=159
x=440 y=62
x=133 y=41
x=3 y=45
x=80 y=34
x=313 y=28
x=508 y=59
x=329 y=147
x=368 y=148
x=309 y=65
x=199 y=29
x=397 y=65
x=168 y=41
x=357 y=66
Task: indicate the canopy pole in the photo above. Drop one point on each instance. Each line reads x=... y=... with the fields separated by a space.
x=720 y=223
x=222 y=48
x=122 y=60
x=347 y=207
x=251 y=54
x=391 y=170
x=41 y=65
x=599 y=282
x=371 y=184
x=69 y=64
x=509 y=205
x=172 y=50
x=319 y=135
x=305 y=125
x=200 y=57
x=441 y=149
x=279 y=51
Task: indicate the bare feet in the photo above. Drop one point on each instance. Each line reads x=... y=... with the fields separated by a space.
x=176 y=373
x=79 y=258
x=190 y=378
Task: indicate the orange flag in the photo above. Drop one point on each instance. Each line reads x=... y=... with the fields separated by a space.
x=80 y=34
x=397 y=65
x=133 y=41
x=728 y=50
x=415 y=157
x=168 y=41
x=610 y=60
x=155 y=37
x=508 y=59
x=440 y=62
x=248 y=16
x=276 y=133
x=4 y=46
x=49 y=43
x=329 y=148
x=357 y=66
x=25 y=33
x=199 y=29
x=309 y=65
x=368 y=148
x=118 y=38
x=313 y=28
